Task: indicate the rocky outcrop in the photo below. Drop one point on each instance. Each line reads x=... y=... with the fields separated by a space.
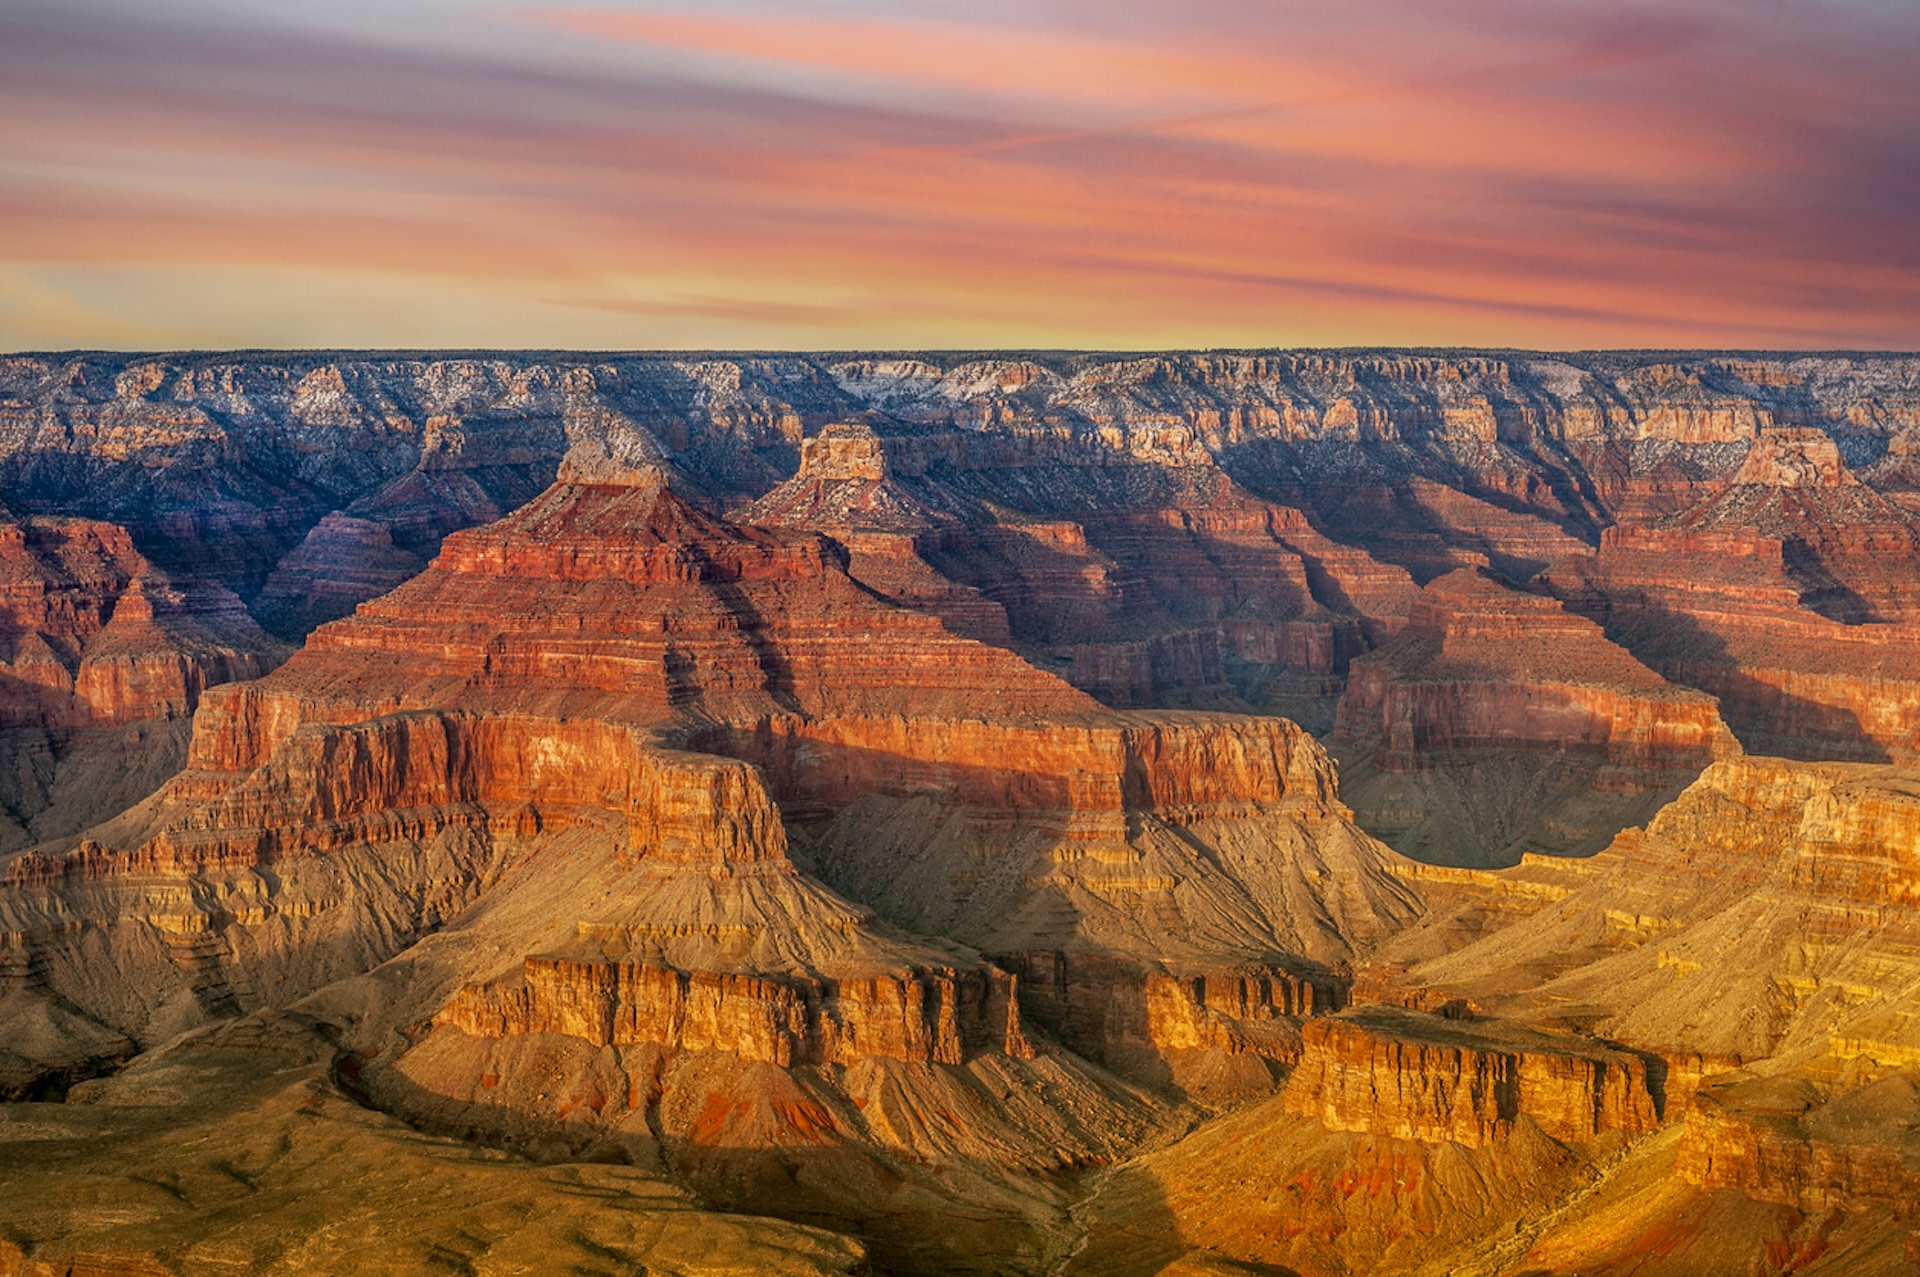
x=1483 y=666
x=1497 y=723
x=1767 y=914
x=1788 y=594
x=343 y=562
x=1160 y=584
x=1780 y=1140
x=1412 y=1076
x=102 y=660
x=149 y=441
x=95 y=635
x=557 y=735
x=919 y=1016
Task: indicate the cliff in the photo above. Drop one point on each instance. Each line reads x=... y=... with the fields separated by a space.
x=1412 y=1076
x=1483 y=666
x=898 y=847
x=1788 y=594
x=1161 y=584
x=546 y=753
x=1760 y=937
x=921 y=1016
x=102 y=660
x=1498 y=723
x=1812 y=1149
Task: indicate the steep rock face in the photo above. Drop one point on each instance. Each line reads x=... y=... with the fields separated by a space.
x=1411 y=1076
x=1768 y=909
x=1767 y=914
x=147 y=440
x=1498 y=723
x=1780 y=1140
x=1848 y=548
x=343 y=562
x=756 y=645
x=99 y=636
x=1786 y=594
x=1138 y=585
x=846 y=488
x=102 y=659
x=529 y=702
x=1483 y=666
x=519 y=833
x=920 y=1016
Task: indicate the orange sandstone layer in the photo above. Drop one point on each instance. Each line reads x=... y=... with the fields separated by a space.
x=1412 y=1076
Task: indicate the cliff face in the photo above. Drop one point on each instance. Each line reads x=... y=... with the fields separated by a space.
x=1484 y=666
x=1788 y=594
x=1761 y=937
x=226 y=466
x=102 y=660
x=918 y=1016
x=1792 y=1144
x=1499 y=723
x=95 y=635
x=1412 y=1076
x=1161 y=584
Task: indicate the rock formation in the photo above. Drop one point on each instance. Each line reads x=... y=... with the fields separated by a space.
x=546 y=753
x=1497 y=723
x=102 y=661
x=1787 y=594
x=1411 y=1076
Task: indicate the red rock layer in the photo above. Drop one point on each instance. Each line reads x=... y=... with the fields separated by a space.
x=1164 y=590
x=1182 y=767
x=91 y=634
x=1850 y=550
x=411 y=775
x=1411 y=1076
x=1482 y=666
x=1721 y=611
x=1105 y=1003
x=1789 y=593
x=343 y=562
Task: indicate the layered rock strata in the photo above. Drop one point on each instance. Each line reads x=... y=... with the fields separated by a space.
x=1498 y=723
x=1483 y=666
x=558 y=750
x=1787 y=594
x=1160 y=585
x=1783 y=1141
x=1412 y=1076
x=102 y=661
x=1767 y=914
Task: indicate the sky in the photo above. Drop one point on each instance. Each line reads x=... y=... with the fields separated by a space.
x=850 y=174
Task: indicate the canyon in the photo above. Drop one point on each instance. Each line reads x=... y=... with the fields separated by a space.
x=1320 y=812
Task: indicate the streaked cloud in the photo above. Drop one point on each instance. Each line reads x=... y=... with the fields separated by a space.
x=1528 y=172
